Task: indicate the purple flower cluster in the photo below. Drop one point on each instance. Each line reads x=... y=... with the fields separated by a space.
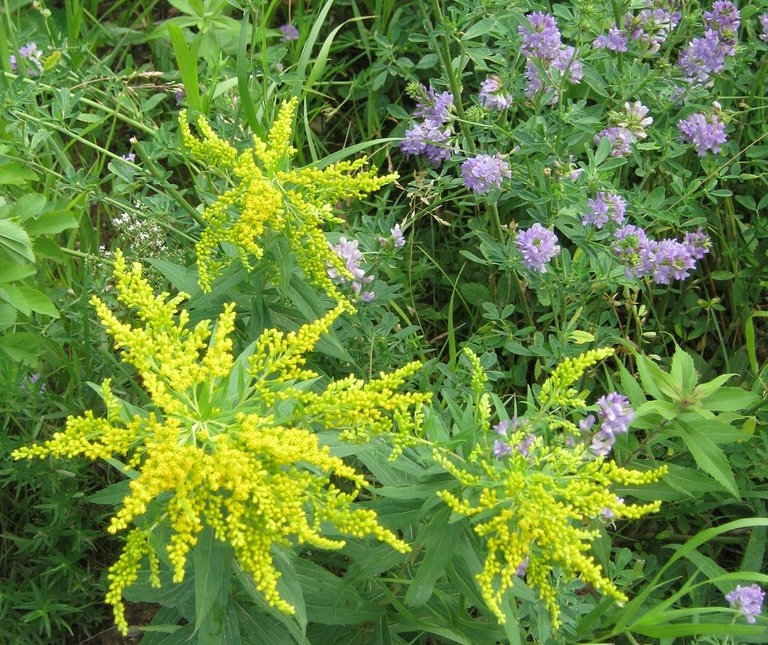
x=615 y=415
x=615 y=40
x=398 y=239
x=764 y=25
x=706 y=133
x=31 y=53
x=484 y=171
x=748 y=600
x=652 y=26
x=636 y=119
x=603 y=208
x=538 y=246
x=664 y=260
x=290 y=32
x=431 y=136
x=347 y=250
x=541 y=42
x=621 y=139
x=626 y=129
x=493 y=96
x=502 y=448
x=706 y=55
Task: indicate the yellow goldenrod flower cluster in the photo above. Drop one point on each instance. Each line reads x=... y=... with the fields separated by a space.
x=228 y=442
x=271 y=198
x=557 y=390
x=539 y=504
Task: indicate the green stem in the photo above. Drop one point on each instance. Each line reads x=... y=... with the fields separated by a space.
x=453 y=81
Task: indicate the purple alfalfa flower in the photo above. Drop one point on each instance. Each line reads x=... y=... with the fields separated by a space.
x=348 y=251
x=702 y=57
x=131 y=157
x=604 y=208
x=33 y=383
x=615 y=40
x=706 y=133
x=706 y=55
x=501 y=449
x=434 y=107
x=398 y=239
x=621 y=139
x=615 y=414
x=501 y=428
x=601 y=444
x=542 y=43
x=542 y=39
x=483 y=172
x=538 y=246
x=764 y=24
x=585 y=425
x=533 y=82
x=524 y=447
x=748 y=600
x=631 y=245
x=671 y=260
x=431 y=136
x=653 y=24
x=31 y=53
x=566 y=62
x=492 y=94
x=429 y=139
x=725 y=20
x=522 y=567
x=179 y=96
x=290 y=32
x=697 y=243
x=606 y=513
x=636 y=119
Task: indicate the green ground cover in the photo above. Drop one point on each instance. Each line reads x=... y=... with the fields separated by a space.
x=379 y=322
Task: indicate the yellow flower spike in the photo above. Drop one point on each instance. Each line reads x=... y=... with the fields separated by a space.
x=556 y=390
x=538 y=512
x=244 y=464
x=272 y=197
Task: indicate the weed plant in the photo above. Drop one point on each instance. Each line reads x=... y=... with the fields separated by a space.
x=499 y=268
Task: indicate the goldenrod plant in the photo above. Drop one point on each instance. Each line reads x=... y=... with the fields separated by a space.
x=271 y=197
x=538 y=502
x=230 y=443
